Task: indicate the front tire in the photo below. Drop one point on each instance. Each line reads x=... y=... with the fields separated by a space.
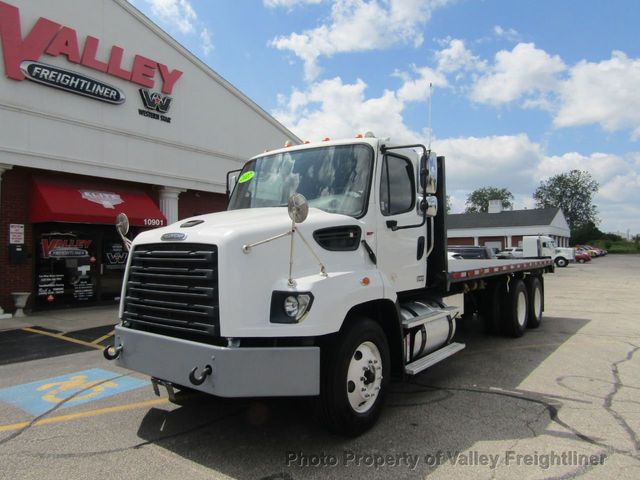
x=355 y=374
x=561 y=262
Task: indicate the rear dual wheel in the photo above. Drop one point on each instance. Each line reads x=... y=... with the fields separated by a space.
x=535 y=290
x=515 y=313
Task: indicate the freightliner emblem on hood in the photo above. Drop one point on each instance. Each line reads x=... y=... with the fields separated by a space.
x=173 y=236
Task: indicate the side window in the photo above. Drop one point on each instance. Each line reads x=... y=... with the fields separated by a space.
x=397 y=186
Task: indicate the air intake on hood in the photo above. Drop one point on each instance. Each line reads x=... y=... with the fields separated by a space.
x=339 y=239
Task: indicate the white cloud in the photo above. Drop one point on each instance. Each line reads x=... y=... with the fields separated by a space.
x=334 y=109
x=521 y=71
x=205 y=41
x=288 y=3
x=618 y=176
x=506 y=161
x=456 y=57
x=177 y=14
x=509 y=34
x=360 y=25
x=417 y=88
x=604 y=93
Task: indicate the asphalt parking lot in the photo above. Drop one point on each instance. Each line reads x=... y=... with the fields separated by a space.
x=561 y=402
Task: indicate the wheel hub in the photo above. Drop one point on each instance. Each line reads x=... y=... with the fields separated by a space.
x=364 y=377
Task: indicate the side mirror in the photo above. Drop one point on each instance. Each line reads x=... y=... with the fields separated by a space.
x=298 y=208
x=122 y=224
x=428 y=206
x=428 y=174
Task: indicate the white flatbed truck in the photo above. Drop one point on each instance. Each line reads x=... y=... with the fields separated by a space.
x=326 y=277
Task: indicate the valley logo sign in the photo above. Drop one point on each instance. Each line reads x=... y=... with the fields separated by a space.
x=21 y=57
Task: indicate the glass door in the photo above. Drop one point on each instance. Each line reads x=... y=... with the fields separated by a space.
x=66 y=265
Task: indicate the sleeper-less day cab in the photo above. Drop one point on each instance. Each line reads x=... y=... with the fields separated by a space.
x=327 y=276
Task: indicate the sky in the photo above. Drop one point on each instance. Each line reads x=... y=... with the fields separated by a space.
x=521 y=90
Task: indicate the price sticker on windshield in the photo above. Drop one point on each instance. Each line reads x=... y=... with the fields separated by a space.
x=246 y=176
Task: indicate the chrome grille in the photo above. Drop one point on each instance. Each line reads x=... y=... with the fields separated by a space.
x=173 y=286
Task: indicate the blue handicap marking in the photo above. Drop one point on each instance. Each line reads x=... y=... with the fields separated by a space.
x=38 y=397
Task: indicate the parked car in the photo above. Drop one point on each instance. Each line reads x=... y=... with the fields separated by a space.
x=472 y=251
x=582 y=256
x=454 y=256
x=593 y=251
x=511 y=252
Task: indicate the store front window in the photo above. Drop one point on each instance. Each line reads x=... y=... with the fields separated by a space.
x=77 y=265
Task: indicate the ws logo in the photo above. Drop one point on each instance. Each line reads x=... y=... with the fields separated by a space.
x=155 y=101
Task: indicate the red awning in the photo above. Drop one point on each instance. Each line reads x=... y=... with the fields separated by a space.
x=55 y=200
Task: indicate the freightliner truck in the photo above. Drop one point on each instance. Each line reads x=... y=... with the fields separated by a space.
x=326 y=277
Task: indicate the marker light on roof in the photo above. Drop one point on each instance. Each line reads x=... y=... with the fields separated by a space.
x=326 y=139
x=288 y=143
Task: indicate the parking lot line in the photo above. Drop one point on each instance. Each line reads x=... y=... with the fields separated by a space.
x=104 y=337
x=85 y=414
x=61 y=336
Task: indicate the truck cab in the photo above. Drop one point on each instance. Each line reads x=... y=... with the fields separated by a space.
x=543 y=246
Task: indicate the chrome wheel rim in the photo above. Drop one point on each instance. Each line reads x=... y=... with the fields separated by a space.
x=521 y=305
x=537 y=302
x=364 y=377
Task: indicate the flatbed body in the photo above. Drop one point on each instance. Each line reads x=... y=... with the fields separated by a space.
x=464 y=270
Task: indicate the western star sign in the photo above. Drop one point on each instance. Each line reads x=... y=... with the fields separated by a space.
x=54 y=39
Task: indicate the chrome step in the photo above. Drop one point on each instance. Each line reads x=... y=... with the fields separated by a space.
x=433 y=358
x=430 y=317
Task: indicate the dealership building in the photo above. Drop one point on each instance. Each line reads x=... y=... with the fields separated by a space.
x=102 y=112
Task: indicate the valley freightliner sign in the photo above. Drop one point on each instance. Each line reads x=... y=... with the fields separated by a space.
x=21 y=55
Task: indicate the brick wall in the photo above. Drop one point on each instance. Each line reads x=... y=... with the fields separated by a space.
x=460 y=241
x=14 y=208
x=192 y=203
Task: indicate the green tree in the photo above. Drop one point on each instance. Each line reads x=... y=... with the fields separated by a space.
x=478 y=200
x=573 y=192
x=586 y=233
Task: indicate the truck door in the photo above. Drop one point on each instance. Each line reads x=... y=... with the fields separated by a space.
x=401 y=251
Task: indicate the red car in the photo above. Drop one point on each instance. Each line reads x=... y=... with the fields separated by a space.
x=582 y=256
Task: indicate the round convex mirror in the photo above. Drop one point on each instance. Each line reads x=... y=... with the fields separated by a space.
x=298 y=208
x=122 y=223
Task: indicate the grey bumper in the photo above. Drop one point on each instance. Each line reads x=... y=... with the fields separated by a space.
x=236 y=372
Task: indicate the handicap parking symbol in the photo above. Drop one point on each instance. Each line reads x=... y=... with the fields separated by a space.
x=38 y=397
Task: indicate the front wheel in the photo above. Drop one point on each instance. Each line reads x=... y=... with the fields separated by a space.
x=355 y=374
x=561 y=262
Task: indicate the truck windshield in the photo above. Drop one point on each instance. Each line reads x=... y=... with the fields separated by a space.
x=334 y=179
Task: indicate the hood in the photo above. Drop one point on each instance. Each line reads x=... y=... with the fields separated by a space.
x=249 y=225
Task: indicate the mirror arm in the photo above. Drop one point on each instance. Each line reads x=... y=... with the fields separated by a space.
x=229 y=173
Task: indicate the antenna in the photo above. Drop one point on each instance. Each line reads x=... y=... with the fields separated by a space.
x=430 y=130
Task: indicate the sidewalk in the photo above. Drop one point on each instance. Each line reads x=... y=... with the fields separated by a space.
x=65 y=320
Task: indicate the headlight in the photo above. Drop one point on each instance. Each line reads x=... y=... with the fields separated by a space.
x=290 y=307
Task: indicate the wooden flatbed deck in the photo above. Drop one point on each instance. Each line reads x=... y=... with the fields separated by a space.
x=462 y=270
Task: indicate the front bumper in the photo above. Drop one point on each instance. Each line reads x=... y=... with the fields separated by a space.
x=236 y=372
